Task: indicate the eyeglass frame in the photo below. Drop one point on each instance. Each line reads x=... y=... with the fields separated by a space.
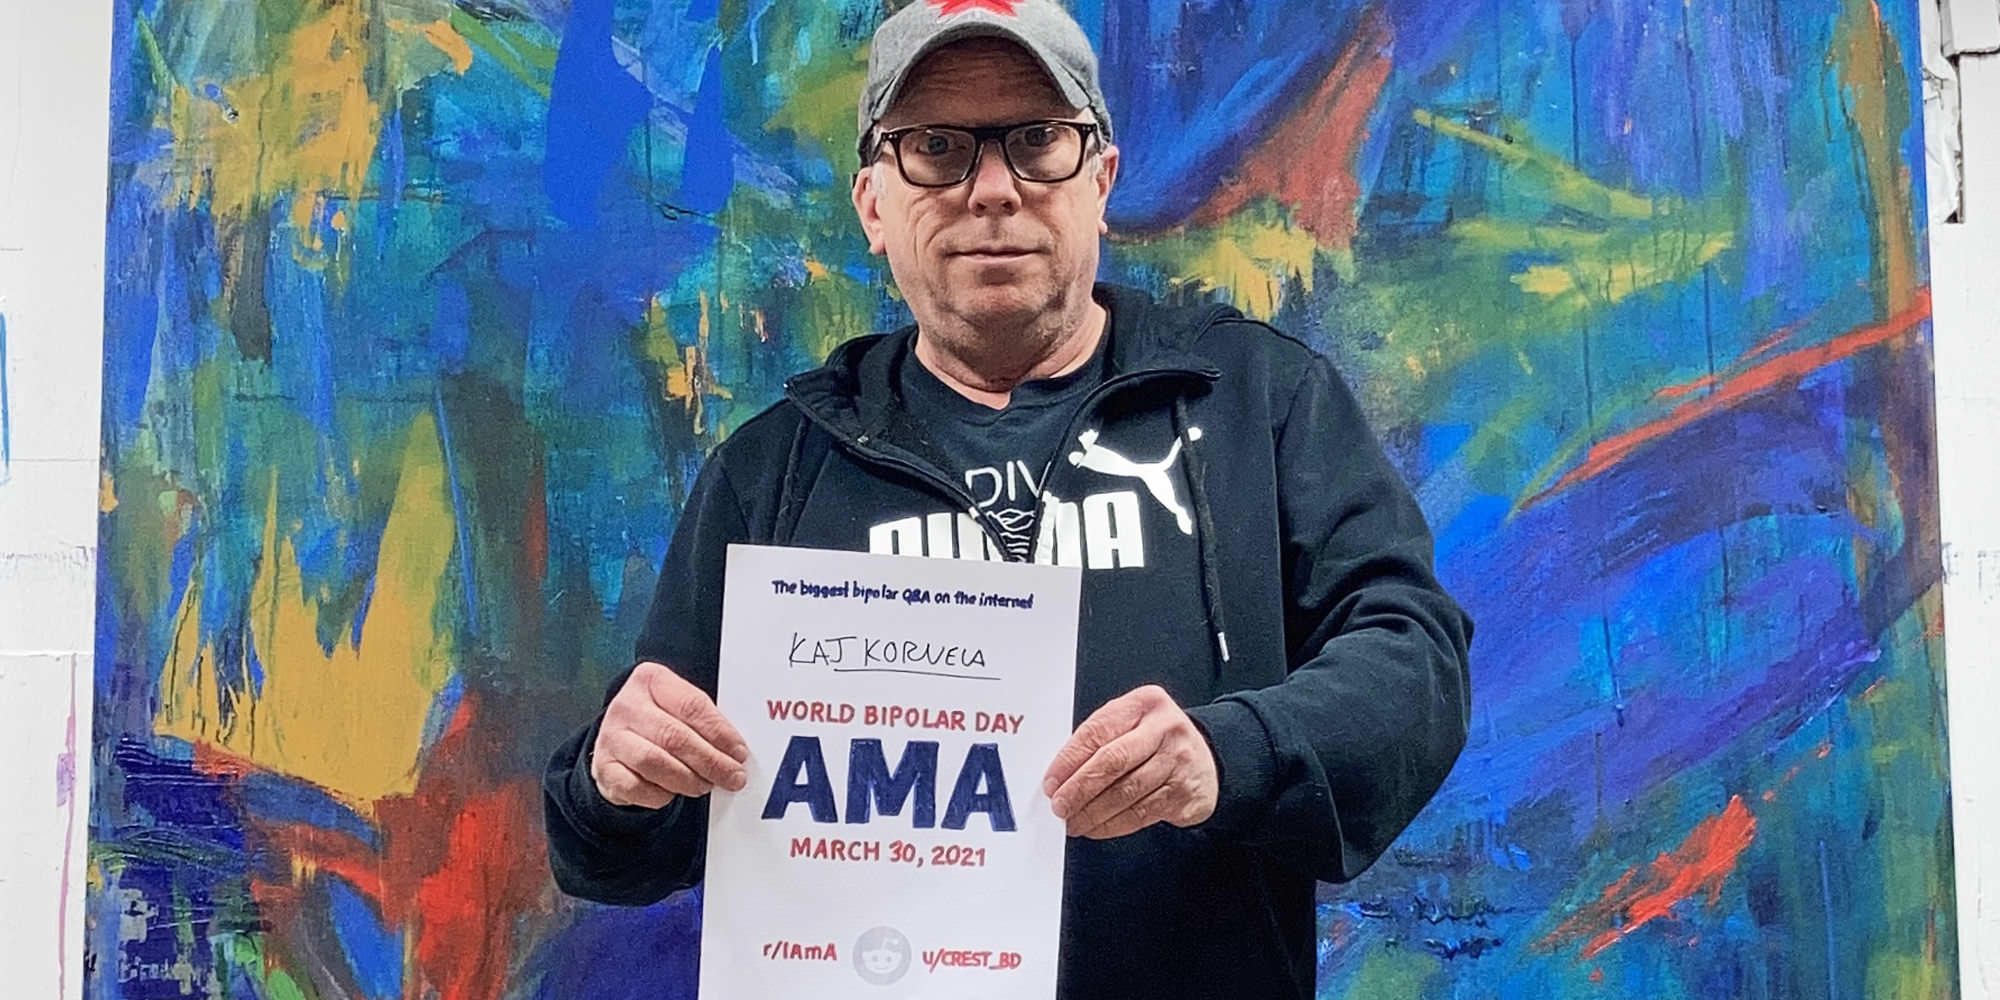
x=981 y=135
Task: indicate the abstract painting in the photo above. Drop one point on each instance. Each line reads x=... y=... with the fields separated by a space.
x=421 y=315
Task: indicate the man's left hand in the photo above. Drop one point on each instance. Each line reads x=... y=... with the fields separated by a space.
x=1135 y=762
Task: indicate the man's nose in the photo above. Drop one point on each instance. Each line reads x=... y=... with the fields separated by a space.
x=993 y=186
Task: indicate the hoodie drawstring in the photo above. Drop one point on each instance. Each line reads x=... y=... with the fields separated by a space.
x=1204 y=529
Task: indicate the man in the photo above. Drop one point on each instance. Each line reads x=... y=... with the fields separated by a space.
x=1271 y=682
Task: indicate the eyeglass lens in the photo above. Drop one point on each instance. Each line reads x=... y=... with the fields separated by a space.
x=942 y=157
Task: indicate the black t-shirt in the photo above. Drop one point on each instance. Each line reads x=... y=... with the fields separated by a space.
x=1003 y=455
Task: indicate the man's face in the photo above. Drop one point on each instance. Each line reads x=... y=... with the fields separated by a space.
x=994 y=251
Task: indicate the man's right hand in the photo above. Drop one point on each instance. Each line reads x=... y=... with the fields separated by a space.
x=663 y=737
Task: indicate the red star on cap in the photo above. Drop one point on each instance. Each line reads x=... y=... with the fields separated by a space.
x=946 y=8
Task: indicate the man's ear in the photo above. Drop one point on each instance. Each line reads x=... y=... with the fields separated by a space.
x=1107 y=175
x=867 y=209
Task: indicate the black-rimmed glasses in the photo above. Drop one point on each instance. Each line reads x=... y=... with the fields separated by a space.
x=942 y=156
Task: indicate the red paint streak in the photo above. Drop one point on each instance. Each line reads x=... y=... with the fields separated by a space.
x=1597 y=974
x=946 y=8
x=535 y=525
x=1684 y=388
x=1771 y=341
x=213 y=760
x=336 y=853
x=1873 y=689
x=461 y=858
x=1702 y=862
x=1307 y=163
x=1824 y=750
x=1762 y=347
x=464 y=936
x=1780 y=370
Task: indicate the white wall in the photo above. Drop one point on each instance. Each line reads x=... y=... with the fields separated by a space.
x=54 y=106
x=1965 y=276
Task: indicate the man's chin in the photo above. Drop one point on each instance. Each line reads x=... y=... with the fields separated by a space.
x=1002 y=304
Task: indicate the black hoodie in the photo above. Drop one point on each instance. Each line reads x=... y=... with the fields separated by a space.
x=1278 y=585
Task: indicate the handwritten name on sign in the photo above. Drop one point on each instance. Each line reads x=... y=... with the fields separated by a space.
x=898 y=711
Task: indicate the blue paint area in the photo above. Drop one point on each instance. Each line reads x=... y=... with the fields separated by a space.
x=593 y=106
x=451 y=326
x=280 y=800
x=374 y=951
x=594 y=957
x=181 y=806
x=395 y=173
x=443 y=708
x=361 y=611
x=461 y=519
x=707 y=173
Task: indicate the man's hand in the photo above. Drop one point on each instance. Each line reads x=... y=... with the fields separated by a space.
x=1134 y=762
x=663 y=737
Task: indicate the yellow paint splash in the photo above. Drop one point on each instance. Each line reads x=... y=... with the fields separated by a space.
x=1567 y=184
x=350 y=720
x=688 y=377
x=1250 y=256
x=1608 y=280
x=107 y=494
x=307 y=127
x=451 y=43
x=822 y=104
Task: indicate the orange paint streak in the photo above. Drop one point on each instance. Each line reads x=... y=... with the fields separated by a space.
x=1874 y=689
x=1767 y=375
x=1825 y=750
x=1759 y=349
x=1684 y=388
x=1765 y=345
x=1326 y=131
x=1597 y=974
x=1701 y=863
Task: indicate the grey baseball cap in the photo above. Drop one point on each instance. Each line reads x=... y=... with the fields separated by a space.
x=1042 y=27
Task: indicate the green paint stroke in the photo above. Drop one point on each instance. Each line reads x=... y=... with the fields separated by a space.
x=527 y=60
x=1392 y=972
x=1565 y=184
x=244 y=954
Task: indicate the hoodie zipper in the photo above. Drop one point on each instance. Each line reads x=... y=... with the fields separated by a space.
x=949 y=488
x=1089 y=405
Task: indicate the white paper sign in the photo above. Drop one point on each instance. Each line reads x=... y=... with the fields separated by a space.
x=893 y=840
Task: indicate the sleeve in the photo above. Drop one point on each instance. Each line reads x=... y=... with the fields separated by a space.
x=627 y=854
x=1327 y=767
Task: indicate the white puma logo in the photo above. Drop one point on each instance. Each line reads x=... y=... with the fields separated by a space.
x=1098 y=458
